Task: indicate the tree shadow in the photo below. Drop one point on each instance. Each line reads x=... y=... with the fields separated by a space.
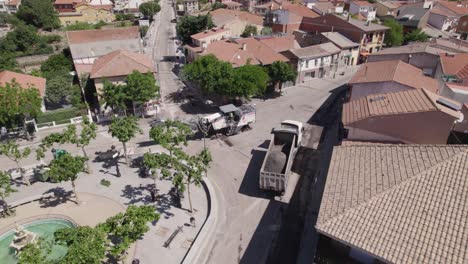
x=163 y=205
x=137 y=194
x=59 y=196
x=107 y=160
x=197 y=107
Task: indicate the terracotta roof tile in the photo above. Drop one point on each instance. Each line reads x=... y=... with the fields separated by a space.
x=401 y=203
x=316 y=51
x=280 y=44
x=121 y=63
x=299 y=10
x=221 y=16
x=455 y=7
x=107 y=34
x=24 y=80
x=455 y=64
x=395 y=70
x=262 y=52
x=207 y=33
x=405 y=102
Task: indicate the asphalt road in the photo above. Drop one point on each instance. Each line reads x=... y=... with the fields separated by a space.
x=249 y=219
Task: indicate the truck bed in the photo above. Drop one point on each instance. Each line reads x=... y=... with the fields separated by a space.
x=277 y=158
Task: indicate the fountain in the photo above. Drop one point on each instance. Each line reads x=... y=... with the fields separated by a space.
x=21 y=238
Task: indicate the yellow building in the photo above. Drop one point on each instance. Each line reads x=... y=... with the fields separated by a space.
x=86 y=13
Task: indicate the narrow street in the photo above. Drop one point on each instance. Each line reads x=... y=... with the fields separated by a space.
x=161 y=46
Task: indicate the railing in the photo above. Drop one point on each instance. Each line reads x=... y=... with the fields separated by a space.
x=34 y=218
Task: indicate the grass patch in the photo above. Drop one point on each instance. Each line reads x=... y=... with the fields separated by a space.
x=59 y=115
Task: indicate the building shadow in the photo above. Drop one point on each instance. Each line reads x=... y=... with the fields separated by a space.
x=60 y=196
x=330 y=110
x=264 y=236
x=251 y=180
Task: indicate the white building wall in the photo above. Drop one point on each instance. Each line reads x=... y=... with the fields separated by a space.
x=311 y=64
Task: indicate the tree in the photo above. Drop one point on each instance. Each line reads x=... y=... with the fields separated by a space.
x=249 y=80
x=84 y=244
x=22 y=39
x=7 y=61
x=124 y=129
x=416 y=35
x=394 y=36
x=141 y=87
x=17 y=103
x=58 y=90
x=249 y=30
x=215 y=76
x=39 y=13
x=281 y=72
x=66 y=168
x=128 y=227
x=57 y=64
x=266 y=31
x=114 y=96
x=154 y=162
x=189 y=170
x=217 y=5
x=5 y=190
x=171 y=134
x=149 y=9
x=34 y=253
x=11 y=150
x=70 y=135
x=189 y=25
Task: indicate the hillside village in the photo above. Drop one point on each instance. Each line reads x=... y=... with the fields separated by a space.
x=237 y=131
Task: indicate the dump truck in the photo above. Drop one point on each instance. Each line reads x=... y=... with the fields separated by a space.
x=230 y=120
x=284 y=144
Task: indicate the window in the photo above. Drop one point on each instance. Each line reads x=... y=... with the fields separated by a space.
x=316 y=62
x=307 y=64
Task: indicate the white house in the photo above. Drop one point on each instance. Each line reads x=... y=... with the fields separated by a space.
x=363 y=8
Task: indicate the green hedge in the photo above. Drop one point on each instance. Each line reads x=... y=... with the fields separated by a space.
x=58 y=115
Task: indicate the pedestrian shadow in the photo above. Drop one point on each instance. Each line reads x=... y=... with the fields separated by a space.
x=57 y=196
x=250 y=182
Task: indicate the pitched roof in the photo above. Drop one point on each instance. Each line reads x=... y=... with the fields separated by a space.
x=121 y=63
x=207 y=33
x=454 y=7
x=396 y=71
x=299 y=10
x=456 y=64
x=400 y=203
x=405 y=102
x=229 y=52
x=414 y=13
x=262 y=52
x=106 y=34
x=362 y=3
x=24 y=80
x=339 y=40
x=280 y=44
x=316 y=51
x=418 y=47
x=221 y=16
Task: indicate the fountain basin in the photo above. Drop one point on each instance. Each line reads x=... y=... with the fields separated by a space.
x=43 y=228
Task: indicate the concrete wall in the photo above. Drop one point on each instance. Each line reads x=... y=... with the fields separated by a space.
x=212 y=38
x=87 y=14
x=423 y=61
x=413 y=128
x=360 y=90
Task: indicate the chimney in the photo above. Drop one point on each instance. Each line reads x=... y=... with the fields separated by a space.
x=204 y=46
x=347 y=18
x=244 y=46
x=367 y=23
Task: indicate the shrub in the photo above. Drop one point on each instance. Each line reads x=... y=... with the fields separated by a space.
x=105 y=182
x=52 y=38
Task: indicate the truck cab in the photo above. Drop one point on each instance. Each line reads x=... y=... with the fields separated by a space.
x=291 y=126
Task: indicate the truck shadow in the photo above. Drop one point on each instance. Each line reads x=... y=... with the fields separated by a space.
x=251 y=179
